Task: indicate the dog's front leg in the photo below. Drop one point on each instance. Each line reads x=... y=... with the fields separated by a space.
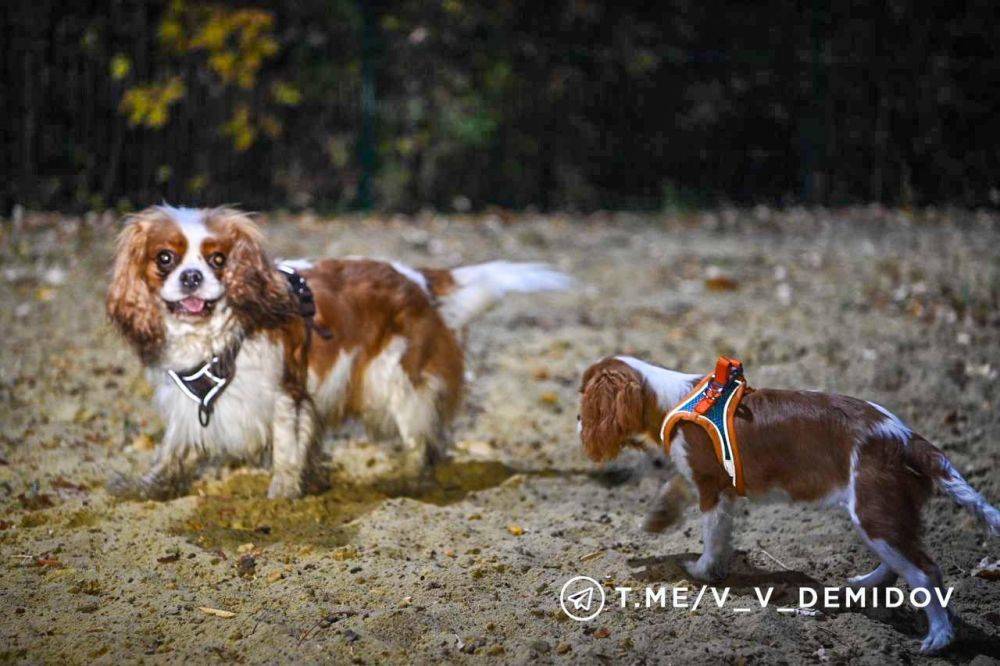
x=717 y=532
x=668 y=506
x=293 y=436
x=168 y=476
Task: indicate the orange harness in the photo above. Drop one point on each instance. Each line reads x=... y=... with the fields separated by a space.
x=712 y=405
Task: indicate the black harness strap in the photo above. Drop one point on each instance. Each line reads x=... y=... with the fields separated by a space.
x=206 y=382
x=307 y=303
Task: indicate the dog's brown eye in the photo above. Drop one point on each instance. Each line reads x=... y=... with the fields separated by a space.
x=165 y=258
x=217 y=260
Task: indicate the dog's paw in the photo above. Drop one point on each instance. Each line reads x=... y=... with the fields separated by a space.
x=127 y=487
x=284 y=486
x=316 y=482
x=660 y=519
x=123 y=486
x=415 y=463
x=937 y=639
x=709 y=572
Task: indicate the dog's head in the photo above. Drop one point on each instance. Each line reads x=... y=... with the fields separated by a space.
x=191 y=266
x=611 y=409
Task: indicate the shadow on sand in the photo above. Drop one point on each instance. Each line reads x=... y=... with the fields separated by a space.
x=236 y=510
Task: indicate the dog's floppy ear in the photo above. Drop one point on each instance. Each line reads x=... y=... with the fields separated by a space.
x=130 y=302
x=255 y=289
x=610 y=411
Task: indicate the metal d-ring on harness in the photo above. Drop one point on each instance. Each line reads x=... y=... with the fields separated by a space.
x=204 y=384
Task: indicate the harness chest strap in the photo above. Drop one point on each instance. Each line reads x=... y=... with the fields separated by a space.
x=712 y=405
x=205 y=383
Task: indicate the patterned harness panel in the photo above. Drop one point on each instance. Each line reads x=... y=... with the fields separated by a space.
x=712 y=405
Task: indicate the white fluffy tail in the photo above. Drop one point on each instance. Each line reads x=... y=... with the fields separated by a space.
x=481 y=286
x=953 y=484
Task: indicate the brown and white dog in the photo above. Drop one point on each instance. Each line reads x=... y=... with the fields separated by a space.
x=192 y=284
x=796 y=445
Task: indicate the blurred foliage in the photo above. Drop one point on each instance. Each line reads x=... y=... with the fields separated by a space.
x=149 y=105
x=575 y=104
x=233 y=44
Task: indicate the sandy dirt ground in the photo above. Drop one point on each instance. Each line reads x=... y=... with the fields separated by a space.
x=893 y=307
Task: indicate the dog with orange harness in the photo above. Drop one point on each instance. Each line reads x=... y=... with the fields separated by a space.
x=728 y=441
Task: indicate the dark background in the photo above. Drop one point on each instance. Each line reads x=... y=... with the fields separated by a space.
x=462 y=105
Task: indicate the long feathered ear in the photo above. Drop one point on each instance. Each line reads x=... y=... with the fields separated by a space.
x=256 y=291
x=610 y=412
x=130 y=303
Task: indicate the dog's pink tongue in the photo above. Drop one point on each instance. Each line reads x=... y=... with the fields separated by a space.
x=193 y=305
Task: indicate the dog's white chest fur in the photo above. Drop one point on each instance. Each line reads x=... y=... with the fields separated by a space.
x=241 y=421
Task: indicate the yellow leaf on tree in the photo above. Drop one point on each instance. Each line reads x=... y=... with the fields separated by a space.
x=120 y=66
x=285 y=93
x=149 y=105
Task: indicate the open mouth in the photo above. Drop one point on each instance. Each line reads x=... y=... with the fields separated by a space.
x=192 y=306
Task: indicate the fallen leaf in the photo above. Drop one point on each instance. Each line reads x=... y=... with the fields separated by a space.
x=603 y=632
x=246 y=566
x=345 y=553
x=274 y=576
x=91 y=587
x=48 y=561
x=216 y=612
x=61 y=482
x=245 y=548
x=987 y=570
x=45 y=294
x=169 y=557
x=143 y=442
x=35 y=501
x=721 y=283
x=548 y=398
x=515 y=529
x=66 y=489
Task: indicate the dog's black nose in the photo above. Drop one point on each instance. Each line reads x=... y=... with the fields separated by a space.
x=191 y=278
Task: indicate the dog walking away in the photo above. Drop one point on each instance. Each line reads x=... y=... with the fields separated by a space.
x=801 y=446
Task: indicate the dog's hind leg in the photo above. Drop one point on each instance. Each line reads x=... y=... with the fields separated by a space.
x=422 y=427
x=885 y=507
x=921 y=573
x=425 y=442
